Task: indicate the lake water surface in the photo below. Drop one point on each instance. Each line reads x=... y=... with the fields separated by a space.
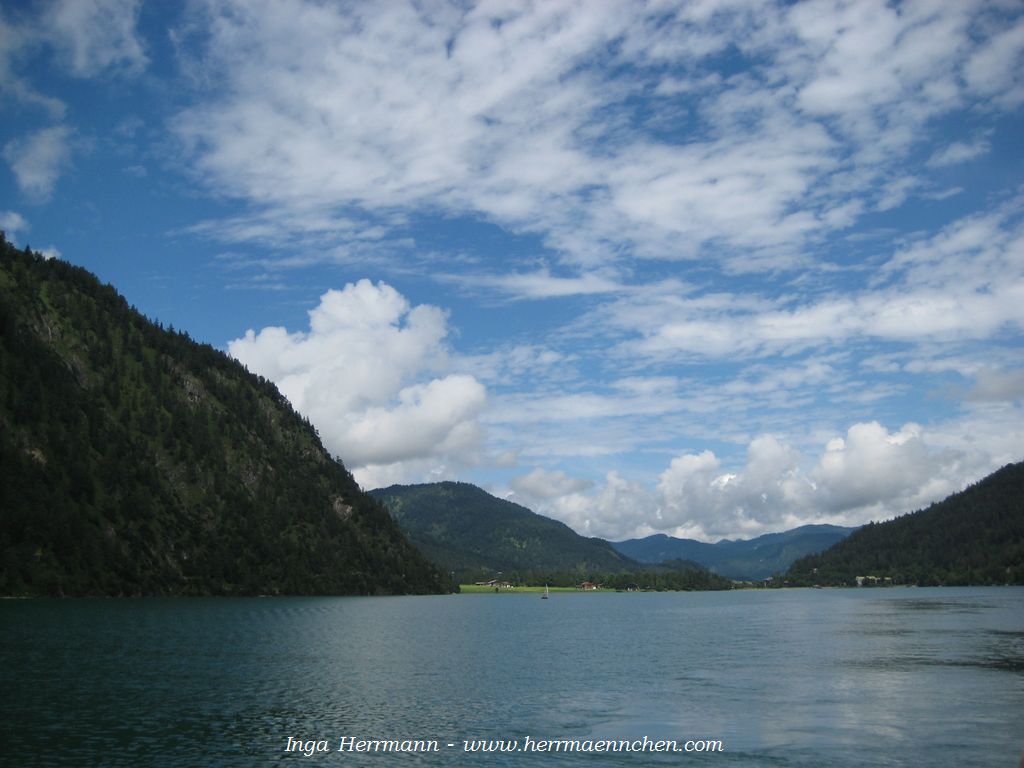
x=886 y=677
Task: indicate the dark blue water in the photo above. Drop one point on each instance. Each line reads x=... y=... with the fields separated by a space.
x=895 y=677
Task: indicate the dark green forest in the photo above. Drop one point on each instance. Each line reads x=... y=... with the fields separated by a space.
x=135 y=461
x=975 y=537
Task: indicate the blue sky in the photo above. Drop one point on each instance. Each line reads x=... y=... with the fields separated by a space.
x=712 y=268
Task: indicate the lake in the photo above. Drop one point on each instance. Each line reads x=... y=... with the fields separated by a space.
x=871 y=677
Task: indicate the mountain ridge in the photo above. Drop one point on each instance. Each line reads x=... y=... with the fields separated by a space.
x=135 y=461
x=464 y=528
x=974 y=537
x=743 y=559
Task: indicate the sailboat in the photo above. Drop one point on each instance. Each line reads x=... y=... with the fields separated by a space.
x=545 y=595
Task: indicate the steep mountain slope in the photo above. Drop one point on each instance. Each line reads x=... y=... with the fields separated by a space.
x=134 y=461
x=465 y=529
x=973 y=537
x=738 y=559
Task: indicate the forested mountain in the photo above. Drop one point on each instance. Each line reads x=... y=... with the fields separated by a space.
x=738 y=559
x=134 y=461
x=468 y=531
x=973 y=537
x=465 y=529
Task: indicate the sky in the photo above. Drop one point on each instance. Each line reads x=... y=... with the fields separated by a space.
x=710 y=268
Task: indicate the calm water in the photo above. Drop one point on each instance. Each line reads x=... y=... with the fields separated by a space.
x=898 y=677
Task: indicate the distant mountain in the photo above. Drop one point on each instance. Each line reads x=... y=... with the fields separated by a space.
x=134 y=461
x=660 y=548
x=973 y=537
x=738 y=559
x=465 y=529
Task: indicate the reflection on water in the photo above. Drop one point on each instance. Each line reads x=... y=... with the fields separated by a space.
x=935 y=604
x=945 y=640
x=882 y=677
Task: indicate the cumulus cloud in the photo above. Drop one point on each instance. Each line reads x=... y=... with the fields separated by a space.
x=869 y=473
x=38 y=160
x=698 y=497
x=434 y=418
x=618 y=504
x=370 y=375
x=871 y=466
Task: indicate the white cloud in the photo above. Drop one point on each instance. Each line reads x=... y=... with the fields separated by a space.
x=959 y=152
x=965 y=282
x=877 y=67
x=15 y=40
x=617 y=508
x=368 y=374
x=12 y=222
x=423 y=132
x=519 y=363
x=434 y=418
x=994 y=69
x=512 y=113
x=995 y=385
x=696 y=496
x=93 y=36
x=868 y=474
x=542 y=284
x=38 y=160
x=580 y=406
x=89 y=38
x=895 y=192
x=871 y=466
x=780 y=375
x=545 y=484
